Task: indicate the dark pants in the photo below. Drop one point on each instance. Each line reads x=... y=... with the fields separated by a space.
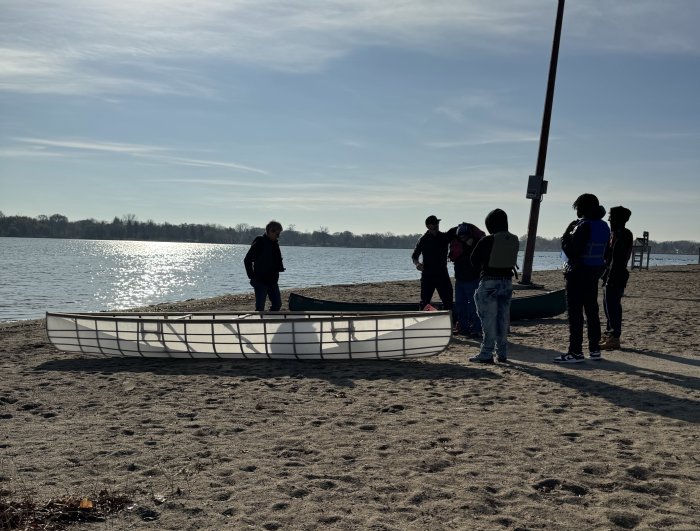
x=582 y=297
x=264 y=290
x=612 y=303
x=441 y=283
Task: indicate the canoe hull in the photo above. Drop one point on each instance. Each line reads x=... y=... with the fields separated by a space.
x=538 y=306
x=279 y=335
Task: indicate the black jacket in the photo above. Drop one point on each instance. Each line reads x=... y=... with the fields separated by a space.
x=617 y=254
x=263 y=262
x=434 y=251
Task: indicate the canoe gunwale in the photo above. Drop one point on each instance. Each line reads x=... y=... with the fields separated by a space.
x=270 y=317
x=527 y=307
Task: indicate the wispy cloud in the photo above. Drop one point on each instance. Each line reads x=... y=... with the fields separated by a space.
x=130 y=149
x=211 y=164
x=152 y=153
x=105 y=47
x=480 y=100
x=500 y=137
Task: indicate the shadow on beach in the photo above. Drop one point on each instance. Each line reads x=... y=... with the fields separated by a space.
x=579 y=376
x=343 y=372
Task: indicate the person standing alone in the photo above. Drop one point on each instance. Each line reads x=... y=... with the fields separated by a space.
x=433 y=247
x=263 y=265
x=584 y=242
x=617 y=254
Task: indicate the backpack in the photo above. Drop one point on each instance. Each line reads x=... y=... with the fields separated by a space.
x=456 y=249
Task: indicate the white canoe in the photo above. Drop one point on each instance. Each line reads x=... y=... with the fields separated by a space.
x=279 y=335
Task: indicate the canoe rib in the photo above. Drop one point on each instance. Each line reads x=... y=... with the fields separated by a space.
x=538 y=306
x=280 y=335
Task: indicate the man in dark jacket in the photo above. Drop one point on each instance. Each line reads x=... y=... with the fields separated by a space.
x=463 y=239
x=496 y=256
x=617 y=254
x=263 y=265
x=584 y=242
x=434 y=275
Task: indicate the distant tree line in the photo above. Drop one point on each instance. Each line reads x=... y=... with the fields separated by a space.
x=674 y=247
x=129 y=228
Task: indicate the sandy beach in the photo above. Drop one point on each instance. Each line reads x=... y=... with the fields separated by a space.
x=431 y=444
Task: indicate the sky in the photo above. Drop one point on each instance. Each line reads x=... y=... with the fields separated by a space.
x=364 y=116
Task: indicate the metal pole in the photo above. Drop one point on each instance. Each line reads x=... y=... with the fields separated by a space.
x=542 y=154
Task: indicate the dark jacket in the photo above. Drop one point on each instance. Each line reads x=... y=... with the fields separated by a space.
x=617 y=254
x=263 y=262
x=460 y=252
x=584 y=242
x=496 y=255
x=434 y=251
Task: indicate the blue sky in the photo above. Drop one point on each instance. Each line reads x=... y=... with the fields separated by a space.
x=364 y=116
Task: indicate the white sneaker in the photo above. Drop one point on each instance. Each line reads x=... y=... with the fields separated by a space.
x=569 y=358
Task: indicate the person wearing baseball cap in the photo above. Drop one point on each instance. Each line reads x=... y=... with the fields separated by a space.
x=433 y=247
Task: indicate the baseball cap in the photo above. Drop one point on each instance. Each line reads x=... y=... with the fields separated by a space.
x=432 y=220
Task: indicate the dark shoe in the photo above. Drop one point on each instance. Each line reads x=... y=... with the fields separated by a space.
x=595 y=355
x=569 y=358
x=502 y=359
x=479 y=359
x=610 y=343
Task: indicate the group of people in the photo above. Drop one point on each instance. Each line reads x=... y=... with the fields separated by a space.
x=484 y=266
x=595 y=251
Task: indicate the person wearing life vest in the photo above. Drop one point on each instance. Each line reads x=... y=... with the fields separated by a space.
x=463 y=239
x=496 y=257
x=433 y=247
x=584 y=242
x=617 y=254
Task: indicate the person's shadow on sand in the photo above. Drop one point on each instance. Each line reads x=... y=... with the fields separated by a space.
x=533 y=361
x=667 y=357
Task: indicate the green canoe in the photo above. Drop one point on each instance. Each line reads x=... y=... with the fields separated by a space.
x=538 y=306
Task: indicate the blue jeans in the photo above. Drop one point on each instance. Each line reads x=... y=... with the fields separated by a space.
x=469 y=322
x=493 y=307
x=262 y=292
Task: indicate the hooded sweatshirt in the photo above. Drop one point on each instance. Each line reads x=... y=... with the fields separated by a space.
x=496 y=255
x=619 y=248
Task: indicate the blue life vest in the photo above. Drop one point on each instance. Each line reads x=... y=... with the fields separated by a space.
x=594 y=252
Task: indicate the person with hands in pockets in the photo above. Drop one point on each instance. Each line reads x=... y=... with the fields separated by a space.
x=263 y=265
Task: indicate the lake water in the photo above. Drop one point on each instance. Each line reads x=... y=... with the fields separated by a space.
x=39 y=275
